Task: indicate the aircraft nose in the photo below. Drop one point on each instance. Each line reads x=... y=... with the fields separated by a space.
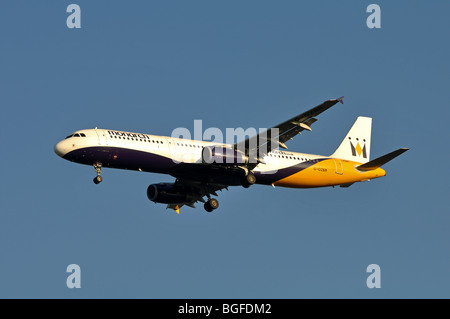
x=59 y=149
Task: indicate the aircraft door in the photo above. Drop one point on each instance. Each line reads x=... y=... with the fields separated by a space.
x=102 y=139
x=339 y=167
x=171 y=147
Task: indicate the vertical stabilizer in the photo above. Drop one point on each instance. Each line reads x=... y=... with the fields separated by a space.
x=356 y=144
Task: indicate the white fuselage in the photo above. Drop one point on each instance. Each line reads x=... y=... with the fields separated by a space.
x=175 y=149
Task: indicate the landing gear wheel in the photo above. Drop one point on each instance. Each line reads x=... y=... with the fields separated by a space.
x=248 y=180
x=211 y=205
x=98 y=168
x=214 y=203
x=208 y=208
x=98 y=179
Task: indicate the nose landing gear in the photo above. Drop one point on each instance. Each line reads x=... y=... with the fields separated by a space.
x=98 y=168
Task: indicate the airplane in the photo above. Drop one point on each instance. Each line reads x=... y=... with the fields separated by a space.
x=199 y=168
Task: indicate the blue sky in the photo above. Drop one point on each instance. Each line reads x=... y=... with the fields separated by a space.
x=153 y=66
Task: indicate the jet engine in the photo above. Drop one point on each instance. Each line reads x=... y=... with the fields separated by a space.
x=167 y=193
x=223 y=156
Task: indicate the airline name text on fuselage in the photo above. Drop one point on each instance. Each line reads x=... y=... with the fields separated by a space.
x=127 y=134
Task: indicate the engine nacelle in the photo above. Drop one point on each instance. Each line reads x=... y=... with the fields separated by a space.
x=167 y=193
x=223 y=156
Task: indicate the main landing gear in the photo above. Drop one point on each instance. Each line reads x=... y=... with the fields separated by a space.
x=98 y=168
x=211 y=205
x=248 y=180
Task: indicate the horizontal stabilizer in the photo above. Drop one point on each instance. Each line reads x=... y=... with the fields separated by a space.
x=380 y=161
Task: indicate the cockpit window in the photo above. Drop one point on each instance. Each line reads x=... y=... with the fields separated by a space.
x=76 y=135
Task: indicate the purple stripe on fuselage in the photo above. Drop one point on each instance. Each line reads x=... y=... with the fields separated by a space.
x=122 y=158
x=269 y=178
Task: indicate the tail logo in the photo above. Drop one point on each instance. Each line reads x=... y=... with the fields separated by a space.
x=358 y=150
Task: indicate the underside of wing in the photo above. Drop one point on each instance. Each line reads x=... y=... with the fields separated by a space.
x=196 y=192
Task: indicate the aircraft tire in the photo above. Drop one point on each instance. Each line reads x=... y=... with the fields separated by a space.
x=248 y=180
x=208 y=208
x=211 y=205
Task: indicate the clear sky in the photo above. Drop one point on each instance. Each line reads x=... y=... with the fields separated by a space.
x=153 y=66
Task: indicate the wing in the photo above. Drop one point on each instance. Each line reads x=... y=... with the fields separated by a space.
x=255 y=147
x=258 y=146
x=197 y=191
